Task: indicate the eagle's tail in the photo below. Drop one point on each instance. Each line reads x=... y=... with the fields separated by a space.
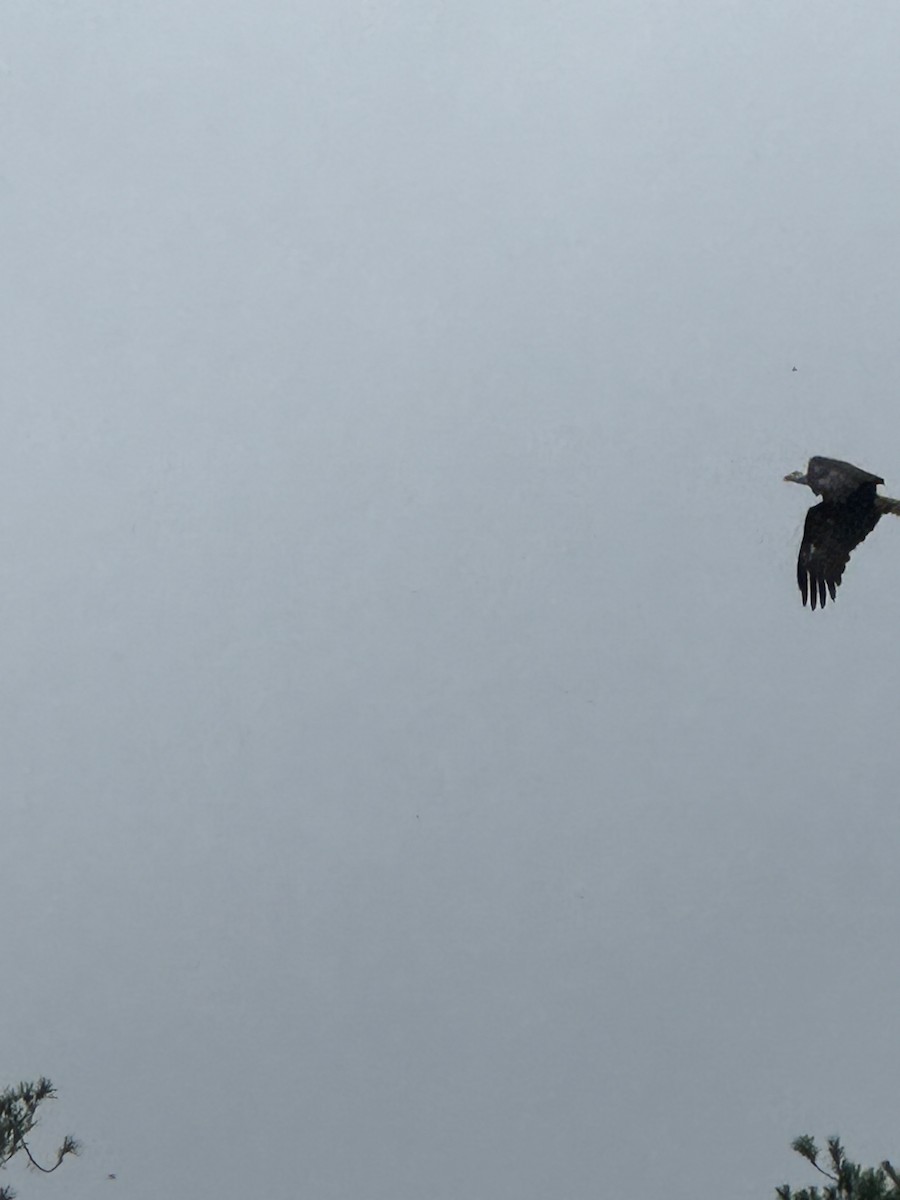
x=885 y=504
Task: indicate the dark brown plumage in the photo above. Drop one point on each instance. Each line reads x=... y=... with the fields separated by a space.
x=849 y=510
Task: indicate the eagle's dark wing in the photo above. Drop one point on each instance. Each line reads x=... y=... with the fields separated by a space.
x=831 y=533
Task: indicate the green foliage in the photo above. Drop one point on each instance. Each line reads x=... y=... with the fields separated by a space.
x=18 y=1117
x=846 y=1180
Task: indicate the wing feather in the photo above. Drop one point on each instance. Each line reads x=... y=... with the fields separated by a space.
x=831 y=534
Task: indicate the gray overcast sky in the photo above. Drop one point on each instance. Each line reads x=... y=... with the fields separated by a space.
x=420 y=780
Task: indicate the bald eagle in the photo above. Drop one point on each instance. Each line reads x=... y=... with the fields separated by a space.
x=847 y=513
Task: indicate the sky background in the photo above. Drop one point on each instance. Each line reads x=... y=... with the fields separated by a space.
x=419 y=777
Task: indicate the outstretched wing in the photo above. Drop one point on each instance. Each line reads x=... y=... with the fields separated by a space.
x=831 y=533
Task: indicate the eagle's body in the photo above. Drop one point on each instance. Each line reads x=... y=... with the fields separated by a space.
x=847 y=513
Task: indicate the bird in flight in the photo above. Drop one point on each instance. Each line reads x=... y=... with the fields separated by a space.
x=847 y=513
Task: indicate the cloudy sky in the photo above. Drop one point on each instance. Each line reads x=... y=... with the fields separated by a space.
x=420 y=779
